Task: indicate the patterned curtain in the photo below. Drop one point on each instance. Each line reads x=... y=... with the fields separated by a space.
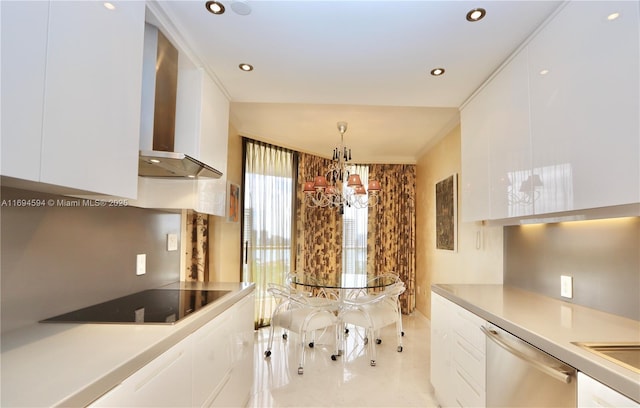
x=318 y=230
x=391 y=231
x=198 y=248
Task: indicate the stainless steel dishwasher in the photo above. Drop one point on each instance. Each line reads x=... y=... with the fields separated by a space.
x=520 y=375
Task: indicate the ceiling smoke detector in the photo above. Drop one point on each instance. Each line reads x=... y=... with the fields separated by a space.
x=241 y=7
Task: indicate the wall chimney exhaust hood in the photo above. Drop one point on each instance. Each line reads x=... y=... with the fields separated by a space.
x=158 y=114
x=157 y=163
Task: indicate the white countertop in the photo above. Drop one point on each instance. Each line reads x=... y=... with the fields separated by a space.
x=73 y=364
x=552 y=325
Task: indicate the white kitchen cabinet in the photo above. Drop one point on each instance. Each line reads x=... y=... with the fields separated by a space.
x=86 y=135
x=458 y=358
x=202 y=118
x=212 y=359
x=24 y=54
x=585 y=104
x=211 y=367
x=476 y=126
x=496 y=148
x=237 y=390
x=164 y=382
x=441 y=341
x=469 y=358
x=592 y=393
x=560 y=120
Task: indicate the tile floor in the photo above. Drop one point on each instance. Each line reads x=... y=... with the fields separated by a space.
x=397 y=380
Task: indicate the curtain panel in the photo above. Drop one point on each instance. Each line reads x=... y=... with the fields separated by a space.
x=391 y=229
x=267 y=220
x=318 y=230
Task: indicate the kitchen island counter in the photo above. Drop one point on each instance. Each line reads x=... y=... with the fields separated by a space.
x=63 y=364
x=553 y=325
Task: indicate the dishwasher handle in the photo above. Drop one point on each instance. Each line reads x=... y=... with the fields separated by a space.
x=558 y=374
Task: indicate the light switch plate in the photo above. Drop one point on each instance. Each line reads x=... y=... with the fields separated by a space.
x=141 y=264
x=566 y=286
x=172 y=242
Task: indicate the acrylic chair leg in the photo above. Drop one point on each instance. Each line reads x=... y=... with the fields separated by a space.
x=338 y=342
x=302 y=341
x=372 y=348
x=267 y=352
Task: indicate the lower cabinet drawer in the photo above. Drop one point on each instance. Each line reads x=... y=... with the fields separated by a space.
x=468 y=392
x=472 y=359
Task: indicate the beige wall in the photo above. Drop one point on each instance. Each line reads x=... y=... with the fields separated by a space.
x=468 y=264
x=224 y=237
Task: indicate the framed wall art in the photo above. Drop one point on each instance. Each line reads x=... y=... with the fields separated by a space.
x=447 y=213
x=233 y=202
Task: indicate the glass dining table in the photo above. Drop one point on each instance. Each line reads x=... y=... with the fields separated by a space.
x=348 y=289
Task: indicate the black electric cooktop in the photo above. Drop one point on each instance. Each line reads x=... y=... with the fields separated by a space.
x=165 y=306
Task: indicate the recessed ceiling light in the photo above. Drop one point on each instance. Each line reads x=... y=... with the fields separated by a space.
x=109 y=6
x=214 y=7
x=544 y=72
x=613 y=16
x=246 y=67
x=476 y=14
x=437 y=71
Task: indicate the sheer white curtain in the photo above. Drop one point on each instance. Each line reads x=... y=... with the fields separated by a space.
x=354 y=238
x=268 y=202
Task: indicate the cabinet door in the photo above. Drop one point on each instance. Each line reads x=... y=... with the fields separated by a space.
x=24 y=53
x=496 y=147
x=475 y=127
x=215 y=125
x=592 y=393
x=212 y=358
x=441 y=346
x=510 y=141
x=584 y=74
x=237 y=390
x=91 y=119
x=164 y=382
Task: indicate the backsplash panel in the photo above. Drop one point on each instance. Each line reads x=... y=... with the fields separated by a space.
x=602 y=256
x=58 y=258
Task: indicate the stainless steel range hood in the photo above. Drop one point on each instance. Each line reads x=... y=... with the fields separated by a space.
x=156 y=163
x=158 y=114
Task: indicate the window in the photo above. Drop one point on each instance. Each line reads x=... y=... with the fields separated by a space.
x=354 y=238
x=268 y=198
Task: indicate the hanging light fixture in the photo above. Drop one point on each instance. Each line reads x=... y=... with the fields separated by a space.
x=329 y=190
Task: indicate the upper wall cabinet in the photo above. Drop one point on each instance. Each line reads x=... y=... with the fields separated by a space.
x=496 y=149
x=559 y=121
x=24 y=56
x=585 y=107
x=202 y=118
x=71 y=75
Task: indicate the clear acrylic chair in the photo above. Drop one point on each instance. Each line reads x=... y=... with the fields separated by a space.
x=373 y=312
x=300 y=314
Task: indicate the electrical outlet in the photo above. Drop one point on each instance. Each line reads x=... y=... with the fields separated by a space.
x=172 y=242
x=566 y=286
x=141 y=264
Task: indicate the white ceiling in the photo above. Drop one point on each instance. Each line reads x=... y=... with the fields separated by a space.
x=363 y=62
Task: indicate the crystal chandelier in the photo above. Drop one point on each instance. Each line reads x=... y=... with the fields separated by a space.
x=329 y=190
